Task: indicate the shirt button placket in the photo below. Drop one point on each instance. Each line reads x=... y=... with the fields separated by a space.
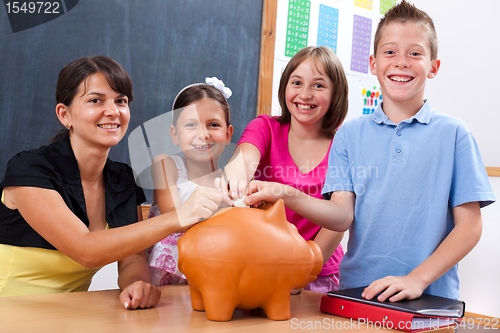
x=398 y=151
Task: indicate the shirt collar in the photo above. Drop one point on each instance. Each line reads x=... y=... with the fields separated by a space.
x=62 y=155
x=64 y=160
x=423 y=115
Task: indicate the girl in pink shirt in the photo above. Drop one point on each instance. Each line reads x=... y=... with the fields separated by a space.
x=293 y=149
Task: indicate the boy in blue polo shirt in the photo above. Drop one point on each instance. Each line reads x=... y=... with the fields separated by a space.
x=417 y=175
x=408 y=182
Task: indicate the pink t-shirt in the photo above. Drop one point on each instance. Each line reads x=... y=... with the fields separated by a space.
x=276 y=165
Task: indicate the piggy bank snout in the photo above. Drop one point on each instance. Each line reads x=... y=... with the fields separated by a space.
x=317 y=256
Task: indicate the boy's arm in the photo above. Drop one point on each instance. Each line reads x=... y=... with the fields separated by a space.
x=336 y=214
x=460 y=241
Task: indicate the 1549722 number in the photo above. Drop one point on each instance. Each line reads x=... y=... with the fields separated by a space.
x=32 y=7
x=487 y=323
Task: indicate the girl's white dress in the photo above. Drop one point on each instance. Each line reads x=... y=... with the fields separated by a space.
x=163 y=256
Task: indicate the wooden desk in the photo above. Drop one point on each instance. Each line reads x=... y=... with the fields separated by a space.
x=101 y=311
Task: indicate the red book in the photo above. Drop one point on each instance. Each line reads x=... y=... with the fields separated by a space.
x=409 y=316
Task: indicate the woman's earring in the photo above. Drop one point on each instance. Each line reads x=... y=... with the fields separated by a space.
x=68 y=127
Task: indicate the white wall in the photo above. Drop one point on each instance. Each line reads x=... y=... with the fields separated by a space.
x=467 y=83
x=106 y=278
x=479 y=271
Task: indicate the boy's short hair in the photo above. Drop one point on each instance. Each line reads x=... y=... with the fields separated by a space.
x=407 y=12
x=325 y=56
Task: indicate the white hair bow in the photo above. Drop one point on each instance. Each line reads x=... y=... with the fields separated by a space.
x=219 y=85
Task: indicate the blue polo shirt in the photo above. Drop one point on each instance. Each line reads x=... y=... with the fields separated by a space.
x=407 y=178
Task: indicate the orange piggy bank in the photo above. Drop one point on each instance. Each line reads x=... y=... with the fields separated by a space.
x=246 y=258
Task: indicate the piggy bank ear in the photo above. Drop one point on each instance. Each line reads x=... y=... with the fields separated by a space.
x=276 y=214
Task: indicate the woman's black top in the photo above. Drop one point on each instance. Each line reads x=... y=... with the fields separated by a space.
x=54 y=167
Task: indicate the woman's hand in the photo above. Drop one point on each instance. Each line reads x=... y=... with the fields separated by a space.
x=200 y=205
x=140 y=295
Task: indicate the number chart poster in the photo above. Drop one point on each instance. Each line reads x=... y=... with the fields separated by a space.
x=347 y=27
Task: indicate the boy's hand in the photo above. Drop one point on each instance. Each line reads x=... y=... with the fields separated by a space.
x=140 y=295
x=394 y=288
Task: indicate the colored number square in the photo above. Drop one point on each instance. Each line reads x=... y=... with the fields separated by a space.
x=361 y=40
x=366 y=4
x=297 y=30
x=385 y=5
x=328 y=27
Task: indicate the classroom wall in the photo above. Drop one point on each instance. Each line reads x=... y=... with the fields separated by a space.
x=479 y=271
x=466 y=85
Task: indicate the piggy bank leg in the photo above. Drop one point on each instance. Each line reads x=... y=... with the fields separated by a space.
x=196 y=299
x=218 y=307
x=278 y=306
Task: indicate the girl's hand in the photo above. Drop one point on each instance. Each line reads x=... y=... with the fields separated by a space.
x=232 y=189
x=200 y=205
x=140 y=295
x=260 y=192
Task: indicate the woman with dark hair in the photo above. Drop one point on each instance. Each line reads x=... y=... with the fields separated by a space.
x=67 y=210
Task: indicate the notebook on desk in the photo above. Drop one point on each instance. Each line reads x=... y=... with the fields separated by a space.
x=423 y=313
